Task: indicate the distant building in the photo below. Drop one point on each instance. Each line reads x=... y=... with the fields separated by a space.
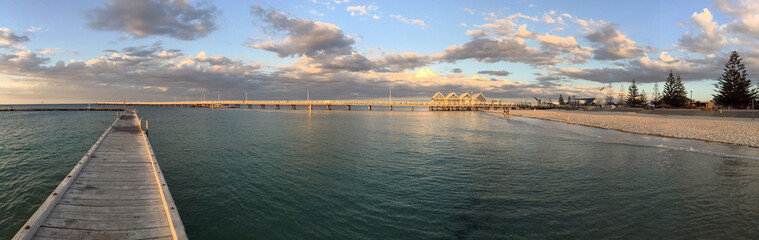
x=452 y=98
x=479 y=98
x=464 y=99
x=438 y=98
x=702 y=105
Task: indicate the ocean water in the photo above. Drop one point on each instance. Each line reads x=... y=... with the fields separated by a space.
x=283 y=174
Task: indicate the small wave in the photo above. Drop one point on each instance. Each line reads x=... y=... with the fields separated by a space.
x=708 y=152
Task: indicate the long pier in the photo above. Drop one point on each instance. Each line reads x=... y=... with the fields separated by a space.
x=330 y=104
x=116 y=191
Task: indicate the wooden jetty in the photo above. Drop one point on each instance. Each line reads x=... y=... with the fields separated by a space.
x=58 y=109
x=116 y=191
x=329 y=104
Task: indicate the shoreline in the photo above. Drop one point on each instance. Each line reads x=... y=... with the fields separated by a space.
x=734 y=131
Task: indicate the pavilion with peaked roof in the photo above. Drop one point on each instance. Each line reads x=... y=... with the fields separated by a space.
x=452 y=98
x=438 y=97
x=479 y=98
x=465 y=98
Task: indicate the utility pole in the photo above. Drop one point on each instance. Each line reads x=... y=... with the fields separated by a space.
x=691 y=98
x=246 y=96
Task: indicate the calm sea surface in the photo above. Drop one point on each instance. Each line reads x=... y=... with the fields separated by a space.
x=283 y=174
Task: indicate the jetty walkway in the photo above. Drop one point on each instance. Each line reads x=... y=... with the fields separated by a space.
x=116 y=191
x=345 y=104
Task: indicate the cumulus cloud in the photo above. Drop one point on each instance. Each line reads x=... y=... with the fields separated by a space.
x=496 y=50
x=647 y=70
x=142 y=18
x=304 y=36
x=501 y=73
x=9 y=39
x=709 y=41
x=399 y=62
x=613 y=45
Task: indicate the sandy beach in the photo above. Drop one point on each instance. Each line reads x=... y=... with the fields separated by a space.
x=738 y=131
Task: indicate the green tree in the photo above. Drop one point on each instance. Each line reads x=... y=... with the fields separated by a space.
x=733 y=88
x=633 y=96
x=561 y=100
x=674 y=92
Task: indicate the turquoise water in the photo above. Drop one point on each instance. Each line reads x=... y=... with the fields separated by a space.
x=282 y=174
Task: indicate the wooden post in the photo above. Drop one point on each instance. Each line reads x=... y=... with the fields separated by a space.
x=370 y=107
x=349 y=107
x=276 y=107
x=329 y=107
x=391 y=107
x=412 y=108
x=310 y=107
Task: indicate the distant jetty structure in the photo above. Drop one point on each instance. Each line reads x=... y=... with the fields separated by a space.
x=438 y=102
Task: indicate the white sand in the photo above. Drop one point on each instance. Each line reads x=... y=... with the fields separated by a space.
x=725 y=130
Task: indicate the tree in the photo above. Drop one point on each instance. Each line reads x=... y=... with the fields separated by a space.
x=674 y=92
x=561 y=100
x=655 y=100
x=609 y=94
x=733 y=88
x=621 y=97
x=633 y=96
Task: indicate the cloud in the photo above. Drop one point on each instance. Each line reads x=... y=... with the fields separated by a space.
x=709 y=41
x=8 y=39
x=399 y=62
x=142 y=18
x=613 y=44
x=501 y=73
x=361 y=10
x=317 y=13
x=409 y=21
x=457 y=70
x=34 y=29
x=304 y=36
x=746 y=14
x=496 y=50
x=51 y=51
x=470 y=11
x=648 y=70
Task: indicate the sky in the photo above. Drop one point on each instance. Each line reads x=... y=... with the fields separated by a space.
x=148 y=50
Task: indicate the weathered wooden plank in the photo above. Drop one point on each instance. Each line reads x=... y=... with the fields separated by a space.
x=113 y=183
x=115 y=164
x=114 y=187
x=112 y=194
x=108 y=216
x=114 y=175
x=104 y=225
x=110 y=202
x=89 y=234
x=109 y=209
